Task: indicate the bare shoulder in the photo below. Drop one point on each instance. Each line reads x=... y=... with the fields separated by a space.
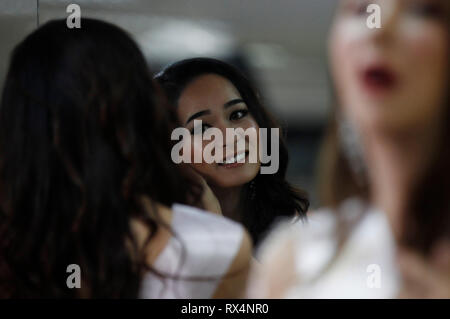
x=162 y=215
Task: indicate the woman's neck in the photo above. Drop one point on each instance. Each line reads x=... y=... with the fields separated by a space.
x=230 y=201
x=395 y=166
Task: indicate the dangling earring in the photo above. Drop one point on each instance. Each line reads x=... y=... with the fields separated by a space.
x=252 y=190
x=353 y=149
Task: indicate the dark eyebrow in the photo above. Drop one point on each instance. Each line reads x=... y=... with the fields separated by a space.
x=198 y=114
x=204 y=112
x=233 y=102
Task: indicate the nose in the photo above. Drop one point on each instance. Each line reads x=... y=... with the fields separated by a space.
x=222 y=126
x=390 y=10
x=229 y=144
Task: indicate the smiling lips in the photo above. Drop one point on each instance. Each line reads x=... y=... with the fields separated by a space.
x=234 y=161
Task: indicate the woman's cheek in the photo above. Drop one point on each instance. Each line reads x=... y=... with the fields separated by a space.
x=197 y=145
x=428 y=51
x=252 y=139
x=425 y=43
x=203 y=168
x=340 y=44
x=342 y=47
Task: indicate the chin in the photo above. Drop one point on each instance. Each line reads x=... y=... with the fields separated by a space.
x=371 y=117
x=230 y=182
x=391 y=122
x=236 y=178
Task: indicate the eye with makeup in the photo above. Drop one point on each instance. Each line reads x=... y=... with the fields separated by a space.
x=238 y=114
x=426 y=8
x=234 y=116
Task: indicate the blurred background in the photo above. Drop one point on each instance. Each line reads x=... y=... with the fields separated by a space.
x=280 y=45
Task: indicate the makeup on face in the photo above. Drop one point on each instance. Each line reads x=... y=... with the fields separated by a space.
x=392 y=77
x=238 y=111
x=378 y=77
x=218 y=104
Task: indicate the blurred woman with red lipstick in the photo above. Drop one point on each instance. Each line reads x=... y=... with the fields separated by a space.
x=219 y=95
x=385 y=165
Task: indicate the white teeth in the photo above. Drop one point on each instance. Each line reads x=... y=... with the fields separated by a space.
x=238 y=158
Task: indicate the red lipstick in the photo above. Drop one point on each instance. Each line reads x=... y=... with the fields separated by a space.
x=378 y=79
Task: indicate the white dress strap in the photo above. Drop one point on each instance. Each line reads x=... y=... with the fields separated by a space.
x=198 y=255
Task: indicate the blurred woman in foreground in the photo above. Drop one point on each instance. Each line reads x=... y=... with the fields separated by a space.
x=86 y=178
x=385 y=166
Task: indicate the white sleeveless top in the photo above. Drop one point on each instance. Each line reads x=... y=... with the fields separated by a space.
x=364 y=268
x=210 y=244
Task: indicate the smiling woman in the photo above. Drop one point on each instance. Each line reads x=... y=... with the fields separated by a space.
x=221 y=97
x=86 y=181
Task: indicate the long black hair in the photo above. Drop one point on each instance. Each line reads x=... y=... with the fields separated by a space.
x=274 y=196
x=83 y=137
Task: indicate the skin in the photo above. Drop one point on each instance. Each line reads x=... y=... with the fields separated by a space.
x=413 y=45
x=210 y=94
x=234 y=280
x=400 y=127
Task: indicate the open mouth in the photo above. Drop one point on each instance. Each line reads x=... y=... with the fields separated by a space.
x=379 y=78
x=235 y=160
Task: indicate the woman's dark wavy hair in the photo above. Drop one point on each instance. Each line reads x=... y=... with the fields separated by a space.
x=83 y=138
x=274 y=197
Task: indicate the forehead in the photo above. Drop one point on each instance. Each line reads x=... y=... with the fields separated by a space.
x=207 y=91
